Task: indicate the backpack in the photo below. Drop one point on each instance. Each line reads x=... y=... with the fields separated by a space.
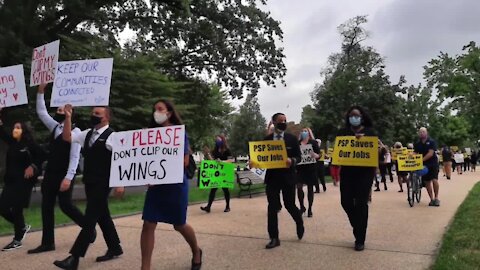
x=191 y=168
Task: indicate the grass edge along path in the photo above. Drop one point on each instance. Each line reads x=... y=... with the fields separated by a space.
x=128 y=205
x=460 y=246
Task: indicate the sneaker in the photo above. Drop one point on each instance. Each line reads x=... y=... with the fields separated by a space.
x=436 y=202
x=25 y=231
x=13 y=245
x=432 y=203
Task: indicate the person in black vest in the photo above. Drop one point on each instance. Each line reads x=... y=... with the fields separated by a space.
x=23 y=162
x=59 y=175
x=221 y=152
x=356 y=182
x=283 y=180
x=97 y=152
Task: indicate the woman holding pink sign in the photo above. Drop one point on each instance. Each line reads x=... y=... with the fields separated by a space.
x=167 y=203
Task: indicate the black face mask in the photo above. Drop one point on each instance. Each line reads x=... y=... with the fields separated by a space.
x=95 y=120
x=281 y=126
x=59 y=117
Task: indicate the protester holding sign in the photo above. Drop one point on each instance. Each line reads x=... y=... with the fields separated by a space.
x=307 y=169
x=59 y=175
x=459 y=160
x=427 y=147
x=402 y=175
x=223 y=153
x=24 y=159
x=167 y=203
x=382 y=160
x=97 y=153
x=282 y=180
x=356 y=181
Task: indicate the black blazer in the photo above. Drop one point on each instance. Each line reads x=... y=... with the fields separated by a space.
x=288 y=175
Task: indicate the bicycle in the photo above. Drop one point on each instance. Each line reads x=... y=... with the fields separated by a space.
x=414 y=191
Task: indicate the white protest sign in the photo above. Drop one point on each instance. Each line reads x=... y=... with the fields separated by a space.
x=307 y=151
x=148 y=156
x=44 y=63
x=259 y=172
x=12 y=86
x=82 y=83
x=468 y=151
x=458 y=158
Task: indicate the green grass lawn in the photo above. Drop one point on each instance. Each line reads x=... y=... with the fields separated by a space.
x=129 y=204
x=461 y=244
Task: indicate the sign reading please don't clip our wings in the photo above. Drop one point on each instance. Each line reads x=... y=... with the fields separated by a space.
x=152 y=156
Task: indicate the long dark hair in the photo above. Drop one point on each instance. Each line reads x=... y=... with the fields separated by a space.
x=366 y=119
x=174 y=117
x=27 y=134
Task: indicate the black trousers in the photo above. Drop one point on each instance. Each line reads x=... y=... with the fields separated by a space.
x=321 y=175
x=14 y=215
x=355 y=188
x=273 y=197
x=211 y=197
x=389 y=171
x=96 y=212
x=50 y=192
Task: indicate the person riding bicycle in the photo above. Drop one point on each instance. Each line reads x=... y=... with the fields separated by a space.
x=427 y=147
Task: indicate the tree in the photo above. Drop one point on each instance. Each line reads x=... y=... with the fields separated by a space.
x=457 y=80
x=232 y=41
x=248 y=125
x=355 y=76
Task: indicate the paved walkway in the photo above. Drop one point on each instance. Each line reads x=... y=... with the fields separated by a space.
x=399 y=237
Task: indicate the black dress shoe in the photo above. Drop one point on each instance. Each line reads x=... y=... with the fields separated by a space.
x=41 y=248
x=227 y=209
x=275 y=242
x=110 y=255
x=310 y=214
x=70 y=263
x=206 y=209
x=94 y=237
x=300 y=231
x=198 y=266
x=359 y=247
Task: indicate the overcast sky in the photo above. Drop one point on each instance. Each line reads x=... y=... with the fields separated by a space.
x=408 y=33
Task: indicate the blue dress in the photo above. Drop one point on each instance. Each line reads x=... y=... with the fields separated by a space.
x=168 y=203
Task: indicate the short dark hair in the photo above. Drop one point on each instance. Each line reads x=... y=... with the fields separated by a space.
x=275 y=116
x=366 y=119
x=108 y=111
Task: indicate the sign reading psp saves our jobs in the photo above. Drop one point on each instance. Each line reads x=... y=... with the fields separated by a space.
x=350 y=151
x=82 y=83
x=152 y=156
x=268 y=154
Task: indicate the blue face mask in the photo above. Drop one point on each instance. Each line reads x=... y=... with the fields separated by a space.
x=355 y=120
x=219 y=143
x=304 y=135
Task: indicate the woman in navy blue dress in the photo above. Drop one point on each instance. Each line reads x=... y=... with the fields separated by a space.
x=167 y=203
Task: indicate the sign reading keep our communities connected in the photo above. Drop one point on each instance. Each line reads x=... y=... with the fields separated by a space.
x=268 y=154
x=350 y=151
x=216 y=174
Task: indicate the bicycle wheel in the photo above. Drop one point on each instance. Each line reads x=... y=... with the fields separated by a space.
x=418 y=194
x=410 y=190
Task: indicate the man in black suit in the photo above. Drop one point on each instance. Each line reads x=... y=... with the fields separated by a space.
x=97 y=151
x=283 y=180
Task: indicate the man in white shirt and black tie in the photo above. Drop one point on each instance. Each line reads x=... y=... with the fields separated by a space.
x=59 y=175
x=97 y=152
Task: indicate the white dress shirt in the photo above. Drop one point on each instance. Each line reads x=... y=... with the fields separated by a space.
x=276 y=136
x=57 y=128
x=80 y=137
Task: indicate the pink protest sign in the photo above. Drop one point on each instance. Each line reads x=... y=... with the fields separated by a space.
x=12 y=86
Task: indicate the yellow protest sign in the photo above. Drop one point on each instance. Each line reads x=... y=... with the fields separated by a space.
x=350 y=151
x=268 y=154
x=398 y=151
x=454 y=148
x=408 y=163
x=440 y=158
x=329 y=152
x=409 y=151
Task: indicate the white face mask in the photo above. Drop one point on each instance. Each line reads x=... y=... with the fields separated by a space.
x=160 y=117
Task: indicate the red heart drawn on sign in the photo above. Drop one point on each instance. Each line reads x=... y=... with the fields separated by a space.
x=122 y=141
x=15 y=96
